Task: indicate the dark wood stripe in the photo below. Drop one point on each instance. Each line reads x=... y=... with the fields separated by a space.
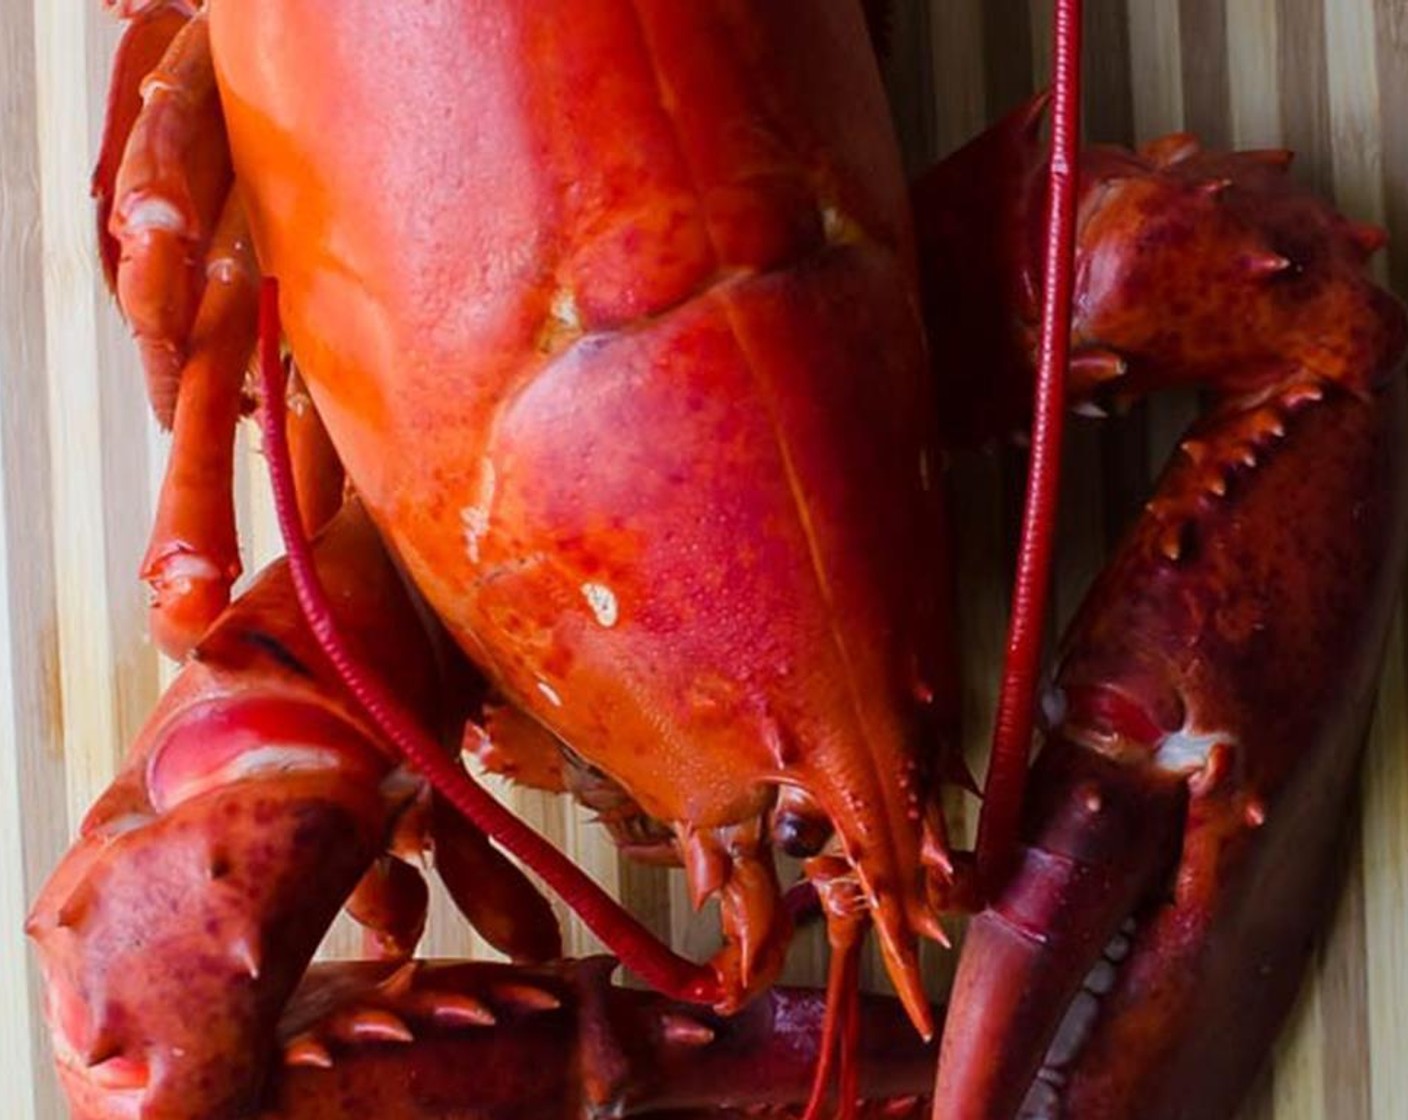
x=1304 y=84
x=1391 y=22
x=1207 y=101
x=1109 y=90
x=1261 y=1100
x=1007 y=55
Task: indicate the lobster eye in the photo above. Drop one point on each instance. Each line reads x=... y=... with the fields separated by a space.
x=800 y=835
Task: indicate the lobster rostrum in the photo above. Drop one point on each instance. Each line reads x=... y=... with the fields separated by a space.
x=616 y=319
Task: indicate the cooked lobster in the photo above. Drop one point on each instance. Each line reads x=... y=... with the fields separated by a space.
x=646 y=410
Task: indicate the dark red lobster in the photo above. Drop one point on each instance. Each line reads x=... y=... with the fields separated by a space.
x=612 y=312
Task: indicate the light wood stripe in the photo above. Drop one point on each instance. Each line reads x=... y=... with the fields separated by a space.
x=80 y=461
x=33 y=825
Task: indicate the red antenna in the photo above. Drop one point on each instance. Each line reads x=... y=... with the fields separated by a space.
x=1012 y=734
x=635 y=946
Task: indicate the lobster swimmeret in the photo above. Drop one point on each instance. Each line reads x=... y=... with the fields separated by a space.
x=613 y=317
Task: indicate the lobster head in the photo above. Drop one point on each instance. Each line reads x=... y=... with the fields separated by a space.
x=637 y=393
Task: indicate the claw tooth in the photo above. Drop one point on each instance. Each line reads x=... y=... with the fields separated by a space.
x=1095 y=365
x=244 y=951
x=1101 y=978
x=74 y=909
x=120 y=1073
x=1090 y=798
x=706 y=865
x=1309 y=393
x=1032 y=114
x=1255 y=813
x=373 y=1025
x=305 y=1050
x=102 y=1047
x=461 y=1011
x=1171 y=149
x=1213 y=188
x=684 y=1031
x=1172 y=543
x=1042 y=1100
x=926 y=925
x=1118 y=948
x=1267 y=264
x=526 y=997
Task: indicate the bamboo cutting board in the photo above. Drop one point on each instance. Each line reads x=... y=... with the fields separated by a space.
x=80 y=459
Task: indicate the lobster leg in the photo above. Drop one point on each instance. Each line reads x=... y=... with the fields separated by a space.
x=167 y=197
x=391 y=903
x=317 y=471
x=143 y=45
x=193 y=556
x=563 y=1042
x=490 y=891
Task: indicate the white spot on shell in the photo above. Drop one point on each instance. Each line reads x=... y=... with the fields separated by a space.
x=1186 y=751
x=563 y=309
x=602 y=601
x=154 y=213
x=475 y=518
x=127 y=822
x=551 y=693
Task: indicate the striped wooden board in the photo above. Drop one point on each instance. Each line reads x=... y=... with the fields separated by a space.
x=79 y=461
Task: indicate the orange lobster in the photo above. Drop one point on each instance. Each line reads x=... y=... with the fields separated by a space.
x=613 y=315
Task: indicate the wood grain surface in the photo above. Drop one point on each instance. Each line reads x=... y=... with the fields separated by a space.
x=80 y=458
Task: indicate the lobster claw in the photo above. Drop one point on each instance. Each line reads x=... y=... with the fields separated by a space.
x=1209 y=711
x=1101 y=844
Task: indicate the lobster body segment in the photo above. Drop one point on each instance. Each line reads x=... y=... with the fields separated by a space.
x=630 y=373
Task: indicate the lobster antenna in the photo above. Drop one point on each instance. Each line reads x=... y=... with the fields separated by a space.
x=636 y=947
x=1012 y=734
